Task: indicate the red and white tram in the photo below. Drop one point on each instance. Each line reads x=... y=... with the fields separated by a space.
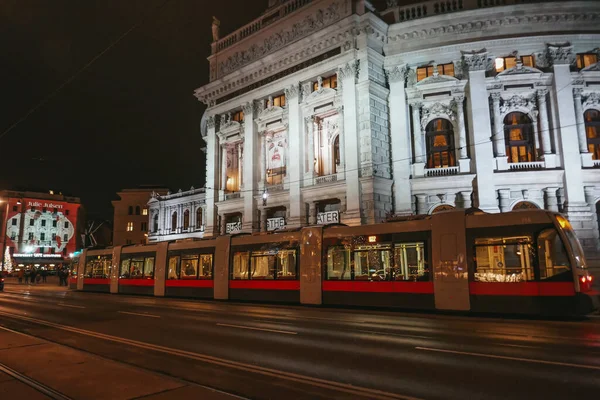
x=519 y=262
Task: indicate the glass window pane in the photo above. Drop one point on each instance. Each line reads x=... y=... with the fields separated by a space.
x=338 y=263
x=504 y=259
x=372 y=265
x=149 y=268
x=136 y=268
x=286 y=266
x=510 y=62
x=553 y=258
x=527 y=61
x=189 y=267
x=589 y=59
x=206 y=261
x=409 y=262
x=421 y=74
x=124 y=272
x=449 y=69
x=262 y=265
x=240 y=265
x=173 y=271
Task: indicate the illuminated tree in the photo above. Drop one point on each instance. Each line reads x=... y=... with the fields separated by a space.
x=8 y=267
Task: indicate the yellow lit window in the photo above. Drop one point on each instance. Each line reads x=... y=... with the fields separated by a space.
x=130 y=227
x=586 y=59
x=278 y=101
x=145 y=211
x=442 y=69
x=504 y=63
x=330 y=82
x=238 y=116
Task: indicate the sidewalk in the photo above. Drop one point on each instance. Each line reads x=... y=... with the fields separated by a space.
x=78 y=375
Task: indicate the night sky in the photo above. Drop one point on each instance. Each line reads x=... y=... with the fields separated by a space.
x=129 y=119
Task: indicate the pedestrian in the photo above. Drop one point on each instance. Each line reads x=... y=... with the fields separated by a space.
x=61 y=277
x=44 y=274
x=27 y=275
x=32 y=275
x=20 y=275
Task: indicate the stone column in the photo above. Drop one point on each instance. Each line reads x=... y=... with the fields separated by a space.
x=422 y=207
x=480 y=129
x=551 y=199
x=342 y=166
x=419 y=141
x=312 y=213
x=581 y=135
x=536 y=132
x=347 y=77
x=400 y=140
x=310 y=151
x=296 y=155
x=549 y=158
x=504 y=199
x=263 y=220
x=466 y=199
x=240 y=162
x=212 y=177
x=263 y=162
x=463 y=161
x=499 y=143
x=223 y=170
x=249 y=170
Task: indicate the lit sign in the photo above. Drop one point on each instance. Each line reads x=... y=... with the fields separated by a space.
x=275 y=223
x=36 y=255
x=233 y=227
x=372 y=239
x=328 y=217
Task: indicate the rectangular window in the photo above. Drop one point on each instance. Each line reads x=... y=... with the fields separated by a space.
x=14 y=222
x=149 y=268
x=44 y=209
x=137 y=267
x=238 y=116
x=553 y=258
x=330 y=83
x=338 y=263
x=586 y=59
x=130 y=227
x=54 y=223
x=98 y=267
x=31 y=222
x=409 y=262
x=144 y=226
x=265 y=265
x=145 y=211
x=442 y=69
x=65 y=238
x=504 y=259
x=42 y=236
x=66 y=224
x=43 y=222
x=190 y=266
x=15 y=208
x=13 y=236
x=504 y=63
x=30 y=236
x=32 y=209
x=54 y=236
x=240 y=265
x=372 y=263
x=278 y=101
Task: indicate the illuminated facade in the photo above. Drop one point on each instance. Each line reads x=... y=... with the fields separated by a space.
x=40 y=229
x=349 y=111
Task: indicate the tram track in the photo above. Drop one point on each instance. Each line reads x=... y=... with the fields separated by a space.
x=32 y=383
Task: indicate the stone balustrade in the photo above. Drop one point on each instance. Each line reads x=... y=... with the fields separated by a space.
x=326 y=179
x=526 y=166
x=441 y=171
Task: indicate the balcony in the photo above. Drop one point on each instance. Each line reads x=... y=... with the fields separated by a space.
x=326 y=179
x=447 y=171
x=232 y=196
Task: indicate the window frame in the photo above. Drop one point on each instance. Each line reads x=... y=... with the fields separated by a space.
x=447 y=69
x=431 y=151
x=197 y=255
x=592 y=142
x=528 y=132
x=267 y=250
x=139 y=257
x=580 y=60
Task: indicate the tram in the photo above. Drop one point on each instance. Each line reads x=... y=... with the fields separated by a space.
x=461 y=260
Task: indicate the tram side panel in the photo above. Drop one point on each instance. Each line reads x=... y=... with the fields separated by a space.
x=189 y=270
x=114 y=271
x=264 y=268
x=450 y=273
x=136 y=270
x=311 y=247
x=81 y=269
x=160 y=269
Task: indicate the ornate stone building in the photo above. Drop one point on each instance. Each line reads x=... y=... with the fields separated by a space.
x=348 y=111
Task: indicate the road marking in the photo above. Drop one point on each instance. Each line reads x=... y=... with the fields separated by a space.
x=258 y=329
x=530 y=360
x=69 y=305
x=395 y=334
x=141 y=315
x=271 y=372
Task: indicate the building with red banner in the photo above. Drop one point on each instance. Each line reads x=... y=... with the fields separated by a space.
x=40 y=230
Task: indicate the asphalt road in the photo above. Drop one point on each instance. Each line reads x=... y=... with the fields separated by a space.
x=286 y=352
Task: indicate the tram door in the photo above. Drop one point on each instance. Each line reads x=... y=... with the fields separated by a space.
x=221 y=268
x=450 y=273
x=310 y=265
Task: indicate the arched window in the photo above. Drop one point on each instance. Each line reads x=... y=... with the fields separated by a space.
x=440 y=144
x=442 y=207
x=130 y=211
x=518 y=135
x=199 y=217
x=525 y=205
x=137 y=210
x=155 y=223
x=336 y=154
x=592 y=129
x=186 y=219
x=174 y=221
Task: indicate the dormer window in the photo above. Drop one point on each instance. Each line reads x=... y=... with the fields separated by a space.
x=442 y=69
x=278 y=101
x=238 y=116
x=330 y=83
x=504 y=63
x=584 y=60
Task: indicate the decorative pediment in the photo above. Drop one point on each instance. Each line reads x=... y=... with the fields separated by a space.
x=436 y=78
x=436 y=110
x=518 y=103
x=592 y=68
x=229 y=126
x=319 y=95
x=592 y=100
x=518 y=70
x=270 y=113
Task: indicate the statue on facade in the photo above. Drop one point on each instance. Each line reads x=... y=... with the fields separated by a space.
x=216 y=24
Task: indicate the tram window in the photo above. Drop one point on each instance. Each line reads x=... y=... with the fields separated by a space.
x=174 y=267
x=149 y=268
x=240 y=265
x=553 y=258
x=263 y=265
x=206 y=263
x=409 y=262
x=136 y=268
x=338 y=263
x=575 y=245
x=286 y=264
x=372 y=264
x=504 y=259
x=189 y=266
x=98 y=267
x=124 y=272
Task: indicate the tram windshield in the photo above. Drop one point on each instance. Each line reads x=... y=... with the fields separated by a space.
x=566 y=227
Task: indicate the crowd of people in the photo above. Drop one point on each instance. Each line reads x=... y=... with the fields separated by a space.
x=33 y=275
